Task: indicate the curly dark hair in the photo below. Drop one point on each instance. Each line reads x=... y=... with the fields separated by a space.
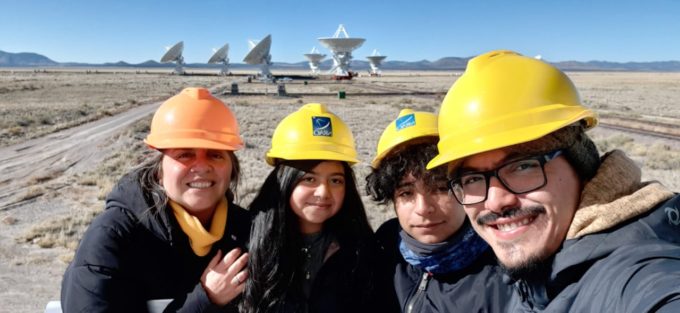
x=408 y=158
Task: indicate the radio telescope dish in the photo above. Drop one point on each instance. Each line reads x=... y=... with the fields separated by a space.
x=259 y=54
x=375 y=60
x=314 y=58
x=220 y=56
x=174 y=54
x=342 y=51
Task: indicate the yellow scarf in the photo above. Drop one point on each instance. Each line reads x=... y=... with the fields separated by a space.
x=201 y=240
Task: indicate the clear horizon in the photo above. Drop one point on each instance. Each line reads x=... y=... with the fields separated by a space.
x=135 y=32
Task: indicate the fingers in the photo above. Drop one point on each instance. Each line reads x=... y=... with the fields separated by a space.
x=225 y=277
x=239 y=264
x=215 y=259
x=242 y=276
x=229 y=259
x=238 y=269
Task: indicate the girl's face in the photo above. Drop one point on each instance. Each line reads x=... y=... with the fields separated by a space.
x=318 y=195
x=197 y=179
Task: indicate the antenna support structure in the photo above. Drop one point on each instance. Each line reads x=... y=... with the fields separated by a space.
x=375 y=59
x=314 y=58
x=342 y=48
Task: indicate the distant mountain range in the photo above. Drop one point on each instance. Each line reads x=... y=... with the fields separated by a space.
x=28 y=59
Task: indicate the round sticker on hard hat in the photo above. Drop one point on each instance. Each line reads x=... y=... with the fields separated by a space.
x=321 y=126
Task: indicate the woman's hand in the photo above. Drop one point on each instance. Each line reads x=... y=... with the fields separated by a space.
x=224 y=278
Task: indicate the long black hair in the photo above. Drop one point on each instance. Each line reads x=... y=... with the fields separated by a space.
x=275 y=238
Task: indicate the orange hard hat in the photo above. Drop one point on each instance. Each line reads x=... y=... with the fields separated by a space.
x=194 y=119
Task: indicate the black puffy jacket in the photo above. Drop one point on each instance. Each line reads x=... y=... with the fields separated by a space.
x=128 y=256
x=345 y=283
x=478 y=288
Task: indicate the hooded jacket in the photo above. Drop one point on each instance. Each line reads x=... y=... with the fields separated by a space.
x=129 y=255
x=478 y=288
x=622 y=252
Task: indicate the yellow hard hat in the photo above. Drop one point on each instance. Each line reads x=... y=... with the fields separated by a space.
x=503 y=99
x=312 y=133
x=408 y=125
x=194 y=119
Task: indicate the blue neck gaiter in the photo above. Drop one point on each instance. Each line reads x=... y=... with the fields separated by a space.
x=456 y=253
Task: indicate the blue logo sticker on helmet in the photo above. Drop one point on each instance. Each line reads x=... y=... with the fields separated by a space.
x=405 y=121
x=321 y=126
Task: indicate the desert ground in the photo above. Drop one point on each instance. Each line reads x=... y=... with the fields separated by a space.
x=66 y=136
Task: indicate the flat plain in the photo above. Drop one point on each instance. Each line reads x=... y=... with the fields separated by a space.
x=66 y=136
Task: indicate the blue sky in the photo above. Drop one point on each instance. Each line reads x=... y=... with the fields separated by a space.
x=136 y=31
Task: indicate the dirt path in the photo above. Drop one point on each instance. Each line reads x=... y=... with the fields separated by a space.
x=68 y=151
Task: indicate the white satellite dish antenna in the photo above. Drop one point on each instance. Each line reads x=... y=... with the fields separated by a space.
x=342 y=51
x=314 y=58
x=174 y=54
x=220 y=56
x=375 y=59
x=259 y=54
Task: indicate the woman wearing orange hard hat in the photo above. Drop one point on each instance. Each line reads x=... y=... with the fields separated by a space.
x=311 y=243
x=170 y=229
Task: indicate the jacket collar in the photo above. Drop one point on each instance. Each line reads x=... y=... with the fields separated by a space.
x=616 y=194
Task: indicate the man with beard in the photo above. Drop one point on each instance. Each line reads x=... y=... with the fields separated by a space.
x=575 y=232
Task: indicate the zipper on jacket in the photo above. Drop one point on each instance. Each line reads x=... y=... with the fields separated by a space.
x=419 y=293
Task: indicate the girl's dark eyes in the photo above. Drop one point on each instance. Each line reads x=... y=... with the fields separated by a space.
x=338 y=181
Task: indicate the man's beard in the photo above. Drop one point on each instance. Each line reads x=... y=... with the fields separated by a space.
x=534 y=268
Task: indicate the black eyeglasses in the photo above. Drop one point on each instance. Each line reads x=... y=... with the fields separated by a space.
x=520 y=176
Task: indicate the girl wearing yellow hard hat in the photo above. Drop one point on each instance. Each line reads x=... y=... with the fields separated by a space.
x=170 y=229
x=310 y=244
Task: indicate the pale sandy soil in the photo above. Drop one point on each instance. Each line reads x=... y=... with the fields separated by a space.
x=30 y=275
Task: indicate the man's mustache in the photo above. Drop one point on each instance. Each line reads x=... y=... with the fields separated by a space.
x=512 y=212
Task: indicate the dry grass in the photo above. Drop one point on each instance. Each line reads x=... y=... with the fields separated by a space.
x=662 y=157
x=66 y=231
x=32 y=192
x=629 y=93
x=658 y=160
x=74 y=98
x=41 y=177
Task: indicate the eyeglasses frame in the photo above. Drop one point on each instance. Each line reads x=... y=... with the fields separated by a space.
x=542 y=159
